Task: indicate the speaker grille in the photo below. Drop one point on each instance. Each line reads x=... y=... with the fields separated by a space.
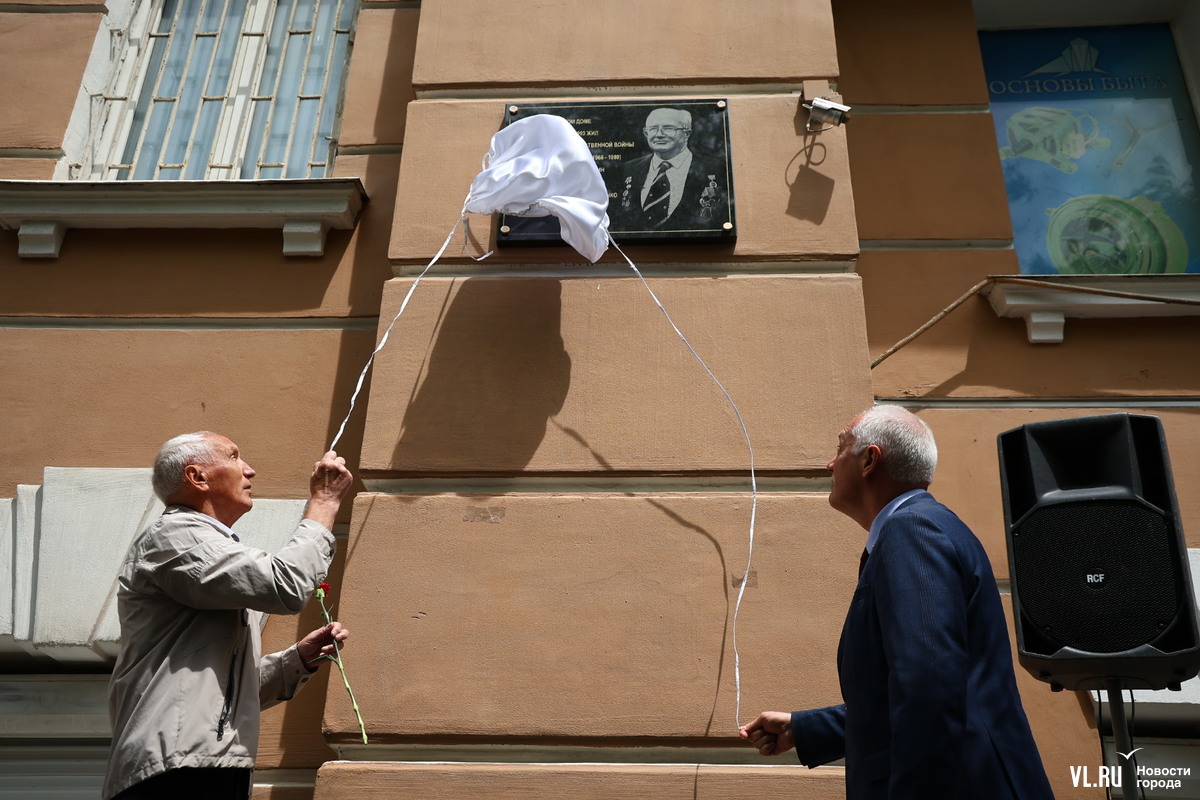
x=1096 y=576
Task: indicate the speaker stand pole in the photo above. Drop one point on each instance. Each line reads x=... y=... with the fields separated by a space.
x=1116 y=710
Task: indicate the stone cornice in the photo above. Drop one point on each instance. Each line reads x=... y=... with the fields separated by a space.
x=1046 y=306
x=305 y=210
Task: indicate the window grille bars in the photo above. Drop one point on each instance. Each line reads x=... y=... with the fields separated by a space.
x=222 y=89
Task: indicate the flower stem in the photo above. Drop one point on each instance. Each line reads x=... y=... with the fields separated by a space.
x=337 y=659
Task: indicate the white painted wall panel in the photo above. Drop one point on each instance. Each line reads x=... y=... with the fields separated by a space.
x=26 y=512
x=89 y=518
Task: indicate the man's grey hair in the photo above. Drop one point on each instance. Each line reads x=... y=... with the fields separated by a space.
x=681 y=111
x=909 y=452
x=174 y=457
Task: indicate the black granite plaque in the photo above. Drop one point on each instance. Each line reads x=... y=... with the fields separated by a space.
x=629 y=140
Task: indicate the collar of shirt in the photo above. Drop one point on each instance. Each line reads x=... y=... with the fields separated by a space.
x=216 y=523
x=680 y=164
x=682 y=160
x=886 y=514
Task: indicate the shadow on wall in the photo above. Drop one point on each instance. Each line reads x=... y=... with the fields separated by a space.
x=726 y=581
x=811 y=189
x=497 y=372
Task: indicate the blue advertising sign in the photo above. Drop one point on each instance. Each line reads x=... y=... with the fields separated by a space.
x=1100 y=149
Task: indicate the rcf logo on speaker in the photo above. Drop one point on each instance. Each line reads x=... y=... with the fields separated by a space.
x=1095 y=578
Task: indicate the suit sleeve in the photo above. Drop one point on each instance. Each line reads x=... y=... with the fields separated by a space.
x=921 y=606
x=820 y=735
x=200 y=568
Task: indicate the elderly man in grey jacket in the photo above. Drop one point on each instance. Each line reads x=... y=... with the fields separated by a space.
x=190 y=679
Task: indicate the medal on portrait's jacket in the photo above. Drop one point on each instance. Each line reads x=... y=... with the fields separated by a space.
x=625 y=195
x=709 y=197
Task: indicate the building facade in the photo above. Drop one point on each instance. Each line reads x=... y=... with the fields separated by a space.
x=543 y=565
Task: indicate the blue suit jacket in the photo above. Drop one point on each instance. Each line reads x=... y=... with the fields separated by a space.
x=931 y=705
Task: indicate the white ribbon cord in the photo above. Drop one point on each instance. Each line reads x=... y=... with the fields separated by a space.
x=737 y=665
x=362 y=376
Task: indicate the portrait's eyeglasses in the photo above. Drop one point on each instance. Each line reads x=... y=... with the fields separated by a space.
x=669 y=130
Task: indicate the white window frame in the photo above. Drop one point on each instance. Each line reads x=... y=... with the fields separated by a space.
x=104 y=116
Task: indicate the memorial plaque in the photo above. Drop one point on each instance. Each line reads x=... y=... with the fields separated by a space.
x=688 y=201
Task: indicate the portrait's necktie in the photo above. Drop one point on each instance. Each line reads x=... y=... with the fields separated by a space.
x=658 y=199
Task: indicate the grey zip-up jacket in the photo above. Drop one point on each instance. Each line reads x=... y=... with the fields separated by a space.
x=190 y=680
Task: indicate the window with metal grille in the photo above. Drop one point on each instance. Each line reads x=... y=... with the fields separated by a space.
x=223 y=89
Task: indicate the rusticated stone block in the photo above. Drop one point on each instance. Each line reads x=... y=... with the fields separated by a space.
x=792 y=190
x=928 y=176
x=42 y=59
x=494 y=375
x=279 y=394
x=27 y=169
x=587 y=617
x=379 y=78
x=893 y=54
x=624 y=42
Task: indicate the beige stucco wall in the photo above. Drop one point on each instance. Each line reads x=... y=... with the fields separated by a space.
x=549 y=375
x=42 y=57
x=588 y=617
x=973 y=354
x=110 y=398
x=27 y=169
x=623 y=43
x=923 y=177
x=379 y=78
x=523 y=368
x=893 y=54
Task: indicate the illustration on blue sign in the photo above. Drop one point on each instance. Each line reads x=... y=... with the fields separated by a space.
x=1099 y=146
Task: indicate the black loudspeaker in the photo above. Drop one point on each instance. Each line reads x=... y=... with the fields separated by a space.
x=1101 y=585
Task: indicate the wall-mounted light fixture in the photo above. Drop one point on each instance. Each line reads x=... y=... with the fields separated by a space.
x=824 y=112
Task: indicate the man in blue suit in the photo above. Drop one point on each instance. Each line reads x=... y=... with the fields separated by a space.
x=931 y=706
